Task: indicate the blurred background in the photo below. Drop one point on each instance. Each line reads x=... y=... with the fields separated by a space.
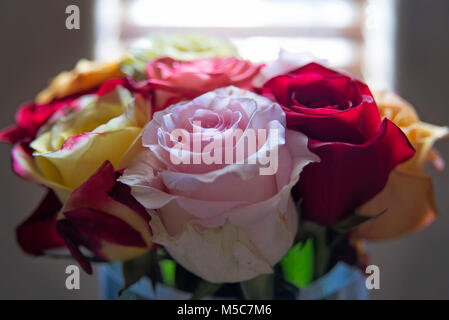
x=401 y=45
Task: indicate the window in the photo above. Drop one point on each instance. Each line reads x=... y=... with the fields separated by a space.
x=340 y=31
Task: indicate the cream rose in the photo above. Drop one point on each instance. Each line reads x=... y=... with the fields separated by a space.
x=182 y=47
x=225 y=222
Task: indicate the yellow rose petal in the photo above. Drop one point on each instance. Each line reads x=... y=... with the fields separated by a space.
x=76 y=164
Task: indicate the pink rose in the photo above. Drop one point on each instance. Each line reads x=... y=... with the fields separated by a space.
x=226 y=221
x=174 y=81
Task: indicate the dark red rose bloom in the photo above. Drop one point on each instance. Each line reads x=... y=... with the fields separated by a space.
x=341 y=119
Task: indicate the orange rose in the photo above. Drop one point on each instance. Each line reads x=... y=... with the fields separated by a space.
x=85 y=76
x=408 y=195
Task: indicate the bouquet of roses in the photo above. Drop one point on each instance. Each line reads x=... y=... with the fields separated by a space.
x=214 y=175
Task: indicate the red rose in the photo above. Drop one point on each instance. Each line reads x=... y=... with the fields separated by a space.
x=101 y=215
x=341 y=119
x=173 y=81
x=32 y=116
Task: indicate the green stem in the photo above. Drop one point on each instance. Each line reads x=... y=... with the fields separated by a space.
x=260 y=288
x=322 y=253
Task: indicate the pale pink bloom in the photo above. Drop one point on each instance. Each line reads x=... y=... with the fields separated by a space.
x=223 y=222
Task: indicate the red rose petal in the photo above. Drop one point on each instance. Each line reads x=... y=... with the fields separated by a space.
x=349 y=174
x=38 y=233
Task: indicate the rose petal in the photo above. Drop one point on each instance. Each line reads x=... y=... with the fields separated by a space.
x=197 y=211
x=232 y=253
x=350 y=175
x=102 y=216
x=175 y=81
x=410 y=205
x=85 y=76
x=354 y=125
x=37 y=233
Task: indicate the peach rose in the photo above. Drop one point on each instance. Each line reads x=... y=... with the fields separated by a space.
x=85 y=76
x=408 y=195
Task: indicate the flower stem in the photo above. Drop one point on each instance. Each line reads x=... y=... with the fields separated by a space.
x=322 y=253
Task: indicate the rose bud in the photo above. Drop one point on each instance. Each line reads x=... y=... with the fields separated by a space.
x=103 y=217
x=100 y=216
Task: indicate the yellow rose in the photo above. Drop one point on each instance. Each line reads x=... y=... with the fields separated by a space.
x=86 y=75
x=184 y=47
x=69 y=149
x=408 y=195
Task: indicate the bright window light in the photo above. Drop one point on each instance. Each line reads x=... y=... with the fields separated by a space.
x=339 y=31
x=242 y=13
x=336 y=51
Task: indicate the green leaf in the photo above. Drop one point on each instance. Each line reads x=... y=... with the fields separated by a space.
x=298 y=264
x=307 y=230
x=353 y=222
x=205 y=289
x=260 y=288
x=168 y=271
x=322 y=253
x=133 y=270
